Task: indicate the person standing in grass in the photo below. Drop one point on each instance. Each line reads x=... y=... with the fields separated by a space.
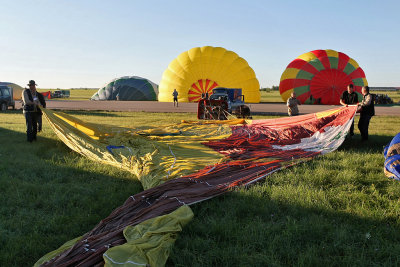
x=30 y=109
x=292 y=103
x=347 y=98
x=175 y=95
x=367 y=110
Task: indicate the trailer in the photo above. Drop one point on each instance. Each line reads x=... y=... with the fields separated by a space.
x=222 y=103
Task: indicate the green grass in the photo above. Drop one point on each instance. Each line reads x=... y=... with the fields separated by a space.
x=275 y=97
x=272 y=96
x=336 y=210
x=76 y=94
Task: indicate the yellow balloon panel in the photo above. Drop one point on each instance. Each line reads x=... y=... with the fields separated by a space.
x=201 y=69
x=332 y=53
x=354 y=63
x=307 y=56
x=290 y=73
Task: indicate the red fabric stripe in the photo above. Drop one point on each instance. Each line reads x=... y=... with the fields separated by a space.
x=213 y=86
x=194 y=86
x=207 y=83
x=358 y=73
x=343 y=59
x=302 y=65
x=303 y=97
x=297 y=64
x=323 y=57
x=292 y=83
x=201 y=85
x=310 y=68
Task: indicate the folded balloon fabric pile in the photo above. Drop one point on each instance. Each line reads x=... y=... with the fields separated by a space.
x=179 y=165
x=392 y=158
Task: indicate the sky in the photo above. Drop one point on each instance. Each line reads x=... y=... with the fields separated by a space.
x=87 y=43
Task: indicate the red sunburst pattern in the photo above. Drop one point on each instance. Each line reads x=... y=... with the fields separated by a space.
x=200 y=87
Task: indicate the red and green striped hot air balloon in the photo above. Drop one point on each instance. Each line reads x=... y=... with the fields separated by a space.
x=321 y=76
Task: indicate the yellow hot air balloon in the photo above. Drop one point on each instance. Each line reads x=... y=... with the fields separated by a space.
x=201 y=69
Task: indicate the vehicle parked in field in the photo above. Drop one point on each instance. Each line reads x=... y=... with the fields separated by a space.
x=56 y=94
x=60 y=94
x=222 y=103
x=6 y=98
x=382 y=99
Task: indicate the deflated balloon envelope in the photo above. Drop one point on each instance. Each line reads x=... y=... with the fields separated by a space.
x=392 y=158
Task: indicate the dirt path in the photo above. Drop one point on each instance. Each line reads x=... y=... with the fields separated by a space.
x=154 y=106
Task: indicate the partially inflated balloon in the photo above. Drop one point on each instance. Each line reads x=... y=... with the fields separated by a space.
x=201 y=69
x=128 y=88
x=321 y=76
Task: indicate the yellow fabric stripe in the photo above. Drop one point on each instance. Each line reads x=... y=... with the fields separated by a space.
x=307 y=56
x=332 y=53
x=229 y=122
x=326 y=113
x=285 y=95
x=80 y=127
x=353 y=63
x=289 y=73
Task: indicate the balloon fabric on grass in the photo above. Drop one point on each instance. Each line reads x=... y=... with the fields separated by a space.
x=392 y=158
x=200 y=162
x=321 y=76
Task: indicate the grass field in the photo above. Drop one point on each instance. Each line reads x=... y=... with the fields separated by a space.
x=337 y=210
x=76 y=94
x=271 y=97
x=266 y=96
x=274 y=96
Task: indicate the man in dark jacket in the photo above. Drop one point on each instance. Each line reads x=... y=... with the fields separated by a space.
x=30 y=106
x=349 y=97
x=366 y=112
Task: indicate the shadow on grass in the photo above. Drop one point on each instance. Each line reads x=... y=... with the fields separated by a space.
x=375 y=143
x=256 y=230
x=99 y=113
x=49 y=195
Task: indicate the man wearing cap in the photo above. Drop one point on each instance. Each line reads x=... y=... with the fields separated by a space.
x=30 y=107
